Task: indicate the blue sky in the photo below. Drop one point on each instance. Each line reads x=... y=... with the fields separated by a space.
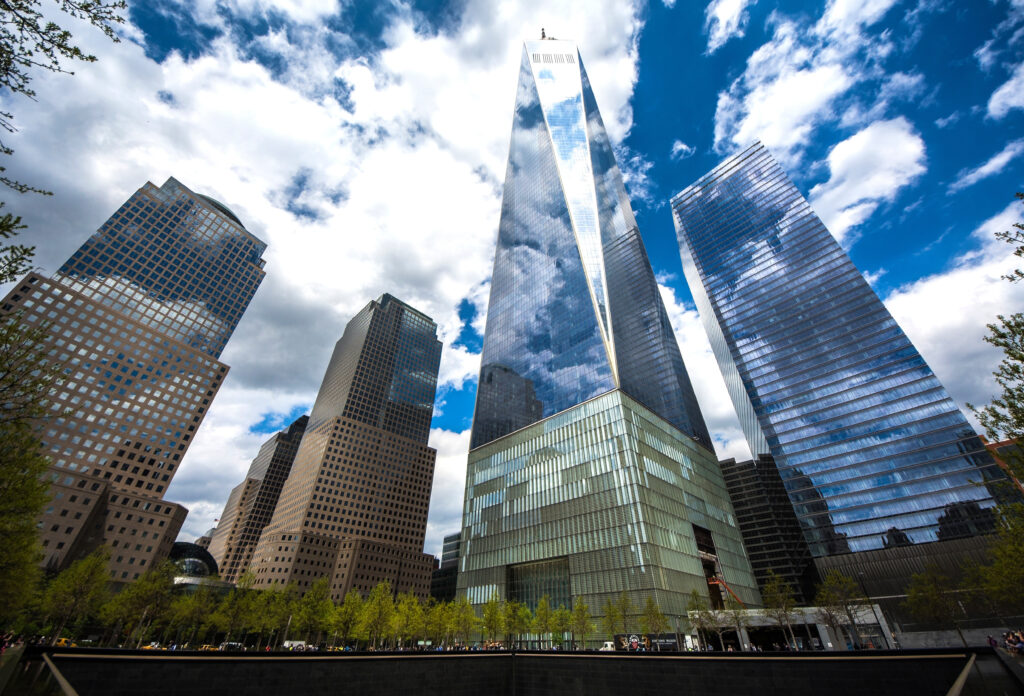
x=366 y=143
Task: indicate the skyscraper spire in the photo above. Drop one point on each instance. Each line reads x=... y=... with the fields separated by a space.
x=590 y=470
x=574 y=308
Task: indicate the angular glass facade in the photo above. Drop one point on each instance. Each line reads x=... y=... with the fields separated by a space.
x=873 y=451
x=609 y=492
x=574 y=308
x=590 y=469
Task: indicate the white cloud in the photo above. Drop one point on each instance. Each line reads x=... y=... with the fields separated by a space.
x=724 y=19
x=793 y=83
x=681 y=150
x=945 y=314
x=994 y=165
x=1010 y=95
x=873 y=277
x=399 y=181
x=867 y=169
x=708 y=384
x=449 y=486
x=896 y=87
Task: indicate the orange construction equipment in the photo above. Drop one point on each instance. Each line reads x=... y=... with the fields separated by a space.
x=720 y=581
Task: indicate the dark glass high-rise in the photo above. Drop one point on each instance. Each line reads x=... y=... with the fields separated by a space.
x=873 y=451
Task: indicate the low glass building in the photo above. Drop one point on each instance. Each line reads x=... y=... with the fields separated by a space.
x=602 y=498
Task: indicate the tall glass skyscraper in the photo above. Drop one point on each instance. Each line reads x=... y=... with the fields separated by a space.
x=873 y=451
x=137 y=317
x=590 y=470
x=354 y=507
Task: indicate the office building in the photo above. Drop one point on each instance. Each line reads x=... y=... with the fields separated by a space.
x=590 y=471
x=874 y=454
x=443 y=581
x=138 y=317
x=354 y=507
x=251 y=503
x=771 y=533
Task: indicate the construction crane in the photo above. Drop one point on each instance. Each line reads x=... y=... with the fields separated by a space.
x=720 y=581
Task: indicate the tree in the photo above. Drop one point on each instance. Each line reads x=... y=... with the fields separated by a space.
x=737 y=616
x=580 y=625
x=840 y=595
x=493 y=617
x=377 y=613
x=463 y=620
x=652 y=621
x=145 y=601
x=779 y=603
x=408 y=621
x=78 y=592
x=191 y=612
x=931 y=598
x=1003 y=419
x=27 y=42
x=518 y=619
x=27 y=374
x=624 y=609
x=314 y=611
x=699 y=615
x=610 y=621
x=346 y=616
x=542 y=619
x=561 y=620
x=436 y=625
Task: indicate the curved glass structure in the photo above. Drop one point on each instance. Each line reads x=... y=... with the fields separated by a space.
x=873 y=451
x=574 y=309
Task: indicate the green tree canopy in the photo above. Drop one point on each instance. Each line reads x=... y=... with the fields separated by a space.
x=652 y=620
x=779 y=603
x=78 y=592
x=493 y=617
x=581 y=625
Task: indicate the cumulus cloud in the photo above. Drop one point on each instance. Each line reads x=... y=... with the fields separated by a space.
x=794 y=82
x=681 y=150
x=994 y=165
x=725 y=19
x=1009 y=95
x=449 y=486
x=364 y=171
x=945 y=314
x=866 y=170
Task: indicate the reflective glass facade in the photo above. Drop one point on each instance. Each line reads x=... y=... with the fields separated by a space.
x=177 y=261
x=574 y=309
x=872 y=450
x=607 y=497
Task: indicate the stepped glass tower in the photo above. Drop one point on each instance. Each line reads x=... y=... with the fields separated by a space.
x=874 y=454
x=590 y=470
x=137 y=317
x=354 y=507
